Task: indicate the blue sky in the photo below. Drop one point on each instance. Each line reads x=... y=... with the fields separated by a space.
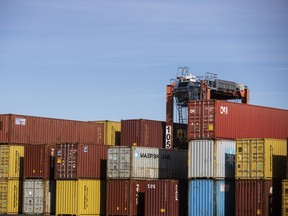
x=95 y=60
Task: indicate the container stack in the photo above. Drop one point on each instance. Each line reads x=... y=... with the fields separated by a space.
x=39 y=188
x=260 y=168
x=214 y=130
x=285 y=188
x=80 y=179
x=11 y=178
x=142 y=177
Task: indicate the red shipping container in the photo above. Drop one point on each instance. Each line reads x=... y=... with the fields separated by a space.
x=74 y=161
x=142 y=132
x=21 y=129
x=258 y=197
x=144 y=197
x=211 y=119
x=39 y=161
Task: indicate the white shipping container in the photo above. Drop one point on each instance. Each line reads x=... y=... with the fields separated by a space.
x=211 y=159
x=38 y=196
x=146 y=162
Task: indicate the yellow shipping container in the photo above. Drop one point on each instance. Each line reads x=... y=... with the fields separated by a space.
x=11 y=161
x=260 y=158
x=112 y=132
x=10 y=196
x=285 y=198
x=80 y=197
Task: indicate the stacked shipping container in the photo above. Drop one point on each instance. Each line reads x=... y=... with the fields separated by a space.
x=11 y=177
x=212 y=124
x=142 y=177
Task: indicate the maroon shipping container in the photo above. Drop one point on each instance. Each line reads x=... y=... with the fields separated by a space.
x=258 y=197
x=141 y=132
x=211 y=119
x=38 y=130
x=39 y=161
x=143 y=197
x=74 y=161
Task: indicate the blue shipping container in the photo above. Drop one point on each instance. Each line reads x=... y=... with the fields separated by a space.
x=211 y=197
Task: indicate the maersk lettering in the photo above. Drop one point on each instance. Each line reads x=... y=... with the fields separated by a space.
x=154 y=156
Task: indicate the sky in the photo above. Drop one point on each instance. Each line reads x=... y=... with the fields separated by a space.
x=111 y=60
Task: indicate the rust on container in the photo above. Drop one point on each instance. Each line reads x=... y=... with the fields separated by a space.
x=74 y=161
x=144 y=197
x=39 y=161
x=211 y=119
x=142 y=132
x=258 y=197
x=22 y=129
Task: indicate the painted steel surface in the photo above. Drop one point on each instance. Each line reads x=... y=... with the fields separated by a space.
x=11 y=161
x=146 y=162
x=22 y=129
x=10 y=196
x=80 y=197
x=261 y=158
x=33 y=196
x=112 y=132
x=258 y=197
x=284 y=197
x=74 y=161
x=142 y=132
x=146 y=197
x=39 y=161
x=210 y=119
x=200 y=197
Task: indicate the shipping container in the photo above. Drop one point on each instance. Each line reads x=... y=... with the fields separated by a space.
x=211 y=197
x=39 y=161
x=10 y=196
x=80 y=197
x=39 y=196
x=146 y=162
x=142 y=132
x=258 y=197
x=112 y=132
x=11 y=161
x=261 y=158
x=74 y=161
x=285 y=197
x=211 y=159
x=211 y=119
x=180 y=136
x=39 y=130
x=146 y=197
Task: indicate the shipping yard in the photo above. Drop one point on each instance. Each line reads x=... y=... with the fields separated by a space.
x=215 y=154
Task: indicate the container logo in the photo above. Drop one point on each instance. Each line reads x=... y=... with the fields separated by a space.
x=59 y=153
x=20 y=121
x=85 y=149
x=154 y=156
x=151 y=186
x=224 y=110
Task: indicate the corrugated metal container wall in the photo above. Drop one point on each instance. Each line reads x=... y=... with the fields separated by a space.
x=261 y=158
x=211 y=197
x=11 y=161
x=224 y=197
x=212 y=119
x=10 y=196
x=74 y=161
x=144 y=162
x=180 y=136
x=112 y=132
x=39 y=196
x=200 y=197
x=144 y=197
x=258 y=197
x=38 y=130
x=285 y=197
x=141 y=132
x=80 y=197
x=39 y=161
x=211 y=159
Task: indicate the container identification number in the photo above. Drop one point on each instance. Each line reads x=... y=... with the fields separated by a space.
x=168 y=137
